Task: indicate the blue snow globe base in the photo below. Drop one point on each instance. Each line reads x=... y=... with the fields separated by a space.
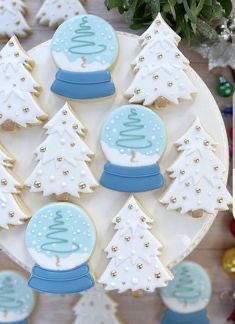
x=132 y=179
x=25 y=321
x=61 y=282
x=83 y=85
x=170 y=317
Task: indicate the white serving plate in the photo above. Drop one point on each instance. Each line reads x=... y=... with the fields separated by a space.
x=179 y=233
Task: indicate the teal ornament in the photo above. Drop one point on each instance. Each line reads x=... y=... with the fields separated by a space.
x=61 y=238
x=225 y=88
x=133 y=140
x=84 y=48
x=16 y=298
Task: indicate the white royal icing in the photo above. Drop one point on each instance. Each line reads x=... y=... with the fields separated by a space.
x=54 y=12
x=199 y=176
x=18 y=91
x=12 y=21
x=95 y=306
x=134 y=253
x=161 y=71
x=11 y=206
x=62 y=158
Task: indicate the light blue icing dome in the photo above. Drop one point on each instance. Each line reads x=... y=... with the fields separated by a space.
x=85 y=43
x=189 y=291
x=60 y=236
x=133 y=130
x=16 y=298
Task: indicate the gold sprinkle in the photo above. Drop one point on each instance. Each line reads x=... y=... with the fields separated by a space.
x=1 y=115
x=160 y=56
x=37 y=184
x=198 y=128
x=198 y=190
x=155 y=76
x=158 y=22
x=170 y=84
x=177 y=55
x=148 y=37
x=75 y=126
x=26 y=109
x=187 y=184
x=16 y=54
x=206 y=143
x=130 y=206
x=66 y=172
x=146 y=244
x=114 y=273
x=4 y=182
x=82 y=185
x=65 y=112
x=64 y=122
x=157 y=275
x=186 y=141
x=11 y=44
x=59 y=159
x=127 y=238
x=173 y=200
x=143 y=219
x=182 y=172
x=216 y=168
x=114 y=248
x=118 y=219
x=72 y=144
x=137 y=90
x=196 y=160
x=43 y=149
x=140 y=266
x=22 y=79
x=141 y=58
x=220 y=200
x=11 y=214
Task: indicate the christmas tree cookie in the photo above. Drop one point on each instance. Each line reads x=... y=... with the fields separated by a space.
x=161 y=69
x=54 y=12
x=61 y=238
x=187 y=295
x=133 y=140
x=12 y=21
x=134 y=253
x=12 y=209
x=19 y=91
x=16 y=298
x=199 y=177
x=95 y=306
x=84 y=48
x=62 y=158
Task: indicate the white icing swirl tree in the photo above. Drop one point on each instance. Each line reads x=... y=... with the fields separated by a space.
x=134 y=253
x=199 y=183
x=19 y=91
x=95 y=306
x=54 y=12
x=12 y=20
x=62 y=157
x=12 y=209
x=161 y=69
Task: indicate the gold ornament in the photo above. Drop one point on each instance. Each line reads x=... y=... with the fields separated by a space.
x=177 y=55
x=196 y=160
x=11 y=214
x=140 y=265
x=17 y=54
x=216 y=168
x=130 y=206
x=206 y=143
x=60 y=158
x=148 y=37
x=220 y=200
x=198 y=190
x=186 y=141
x=157 y=275
x=127 y=238
x=228 y=262
x=141 y=58
x=66 y=172
x=75 y=126
x=173 y=200
x=82 y=185
x=114 y=273
x=158 y=22
x=198 y=128
x=118 y=219
x=114 y=248
x=65 y=112
x=187 y=184
x=37 y=184
x=137 y=91
x=170 y=84
x=26 y=109
x=146 y=244
x=182 y=172
x=72 y=144
x=4 y=182
x=143 y=219
x=11 y=44
x=155 y=76
x=22 y=79
x=160 y=56
x=43 y=149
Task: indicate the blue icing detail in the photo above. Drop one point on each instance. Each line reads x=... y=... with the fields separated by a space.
x=88 y=37
x=16 y=298
x=135 y=128
x=61 y=282
x=61 y=230
x=191 y=284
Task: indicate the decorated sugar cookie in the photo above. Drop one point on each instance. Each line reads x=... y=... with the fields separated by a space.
x=12 y=208
x=199 y=177
x=62 y=159
x=187 y=295
x=84 y=48
x=54 y=12
x=133 y=140
x=12 y=21
x=95 y=306
x=134 y=253
x=16 y=298
x=19 y=91
x=60 y=237
x=161 y=69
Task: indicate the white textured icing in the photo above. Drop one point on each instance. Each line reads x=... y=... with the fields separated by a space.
x=95 y=306
x=161 y=71
x=18 y=88
x=199 y=176
x=11 y=206
x=12 y=21
x=54 y=12
x=62 y=158
x=134 y=253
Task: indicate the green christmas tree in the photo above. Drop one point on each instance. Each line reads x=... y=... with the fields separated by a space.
x=7 y=299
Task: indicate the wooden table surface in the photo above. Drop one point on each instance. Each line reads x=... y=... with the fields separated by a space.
x=149 y=308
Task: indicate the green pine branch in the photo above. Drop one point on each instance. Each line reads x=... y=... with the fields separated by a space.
x=193 y=20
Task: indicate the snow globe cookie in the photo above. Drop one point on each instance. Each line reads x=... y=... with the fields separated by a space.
x=16 y=298
x=84 y=48
x=133 y=140
x=61 y=238
x=187 y=296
